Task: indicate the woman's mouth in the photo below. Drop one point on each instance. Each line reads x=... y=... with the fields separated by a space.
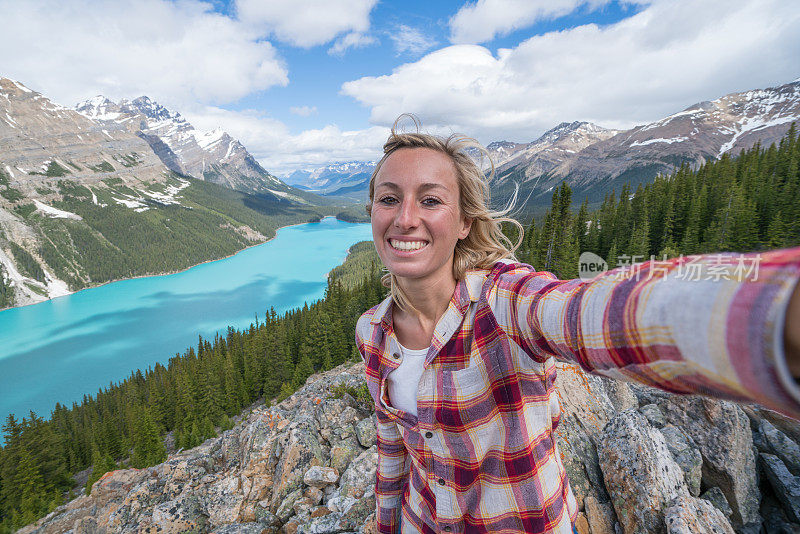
x=407 y=246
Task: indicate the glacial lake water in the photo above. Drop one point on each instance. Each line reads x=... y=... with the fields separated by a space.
x=61 y=349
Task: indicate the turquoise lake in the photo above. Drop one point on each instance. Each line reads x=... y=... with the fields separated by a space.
x=61 y=349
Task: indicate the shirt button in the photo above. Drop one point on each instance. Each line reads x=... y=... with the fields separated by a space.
x=396 y=355
x=441 y=482
x=429 y=435
x=448 y=528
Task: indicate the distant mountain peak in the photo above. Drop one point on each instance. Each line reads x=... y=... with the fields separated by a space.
x=9 y=84
x=496 y=145
x=99 y=108
x=150 y=109
x=211 y=155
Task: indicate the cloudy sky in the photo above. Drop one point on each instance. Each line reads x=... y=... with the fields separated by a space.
x=307 y=82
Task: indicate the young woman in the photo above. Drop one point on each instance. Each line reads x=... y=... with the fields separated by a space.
x=460 y=356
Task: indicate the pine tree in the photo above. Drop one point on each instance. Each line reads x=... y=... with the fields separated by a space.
x=303 y=370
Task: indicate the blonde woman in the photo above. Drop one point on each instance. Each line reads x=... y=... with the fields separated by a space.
x=460 y=356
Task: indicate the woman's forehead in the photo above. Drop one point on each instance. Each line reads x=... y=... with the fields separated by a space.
x=423 y=167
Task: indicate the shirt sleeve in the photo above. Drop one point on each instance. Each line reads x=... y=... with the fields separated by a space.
x=392 y=468
x=710 y=324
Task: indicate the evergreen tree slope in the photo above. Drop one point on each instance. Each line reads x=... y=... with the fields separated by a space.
x=737 y=204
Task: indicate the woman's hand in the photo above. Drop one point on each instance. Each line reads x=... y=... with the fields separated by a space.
x=791 y=333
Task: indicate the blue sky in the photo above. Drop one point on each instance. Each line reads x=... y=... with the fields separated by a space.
x=302 y=83
x=316 y=75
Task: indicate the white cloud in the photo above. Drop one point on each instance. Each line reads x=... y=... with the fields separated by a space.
x=483 y=20
x=280 y=151
x=668 y=56
x=351 y=40
x=176 y=52
x=306 y=23
x=303 y=111
x=412 y=40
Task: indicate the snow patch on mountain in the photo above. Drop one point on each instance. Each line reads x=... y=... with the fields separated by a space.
x=55 y=213
x=52 y=287
x=752 y=125
x=659 y=140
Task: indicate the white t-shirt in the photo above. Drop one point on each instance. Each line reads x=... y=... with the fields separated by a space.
x=404 y=381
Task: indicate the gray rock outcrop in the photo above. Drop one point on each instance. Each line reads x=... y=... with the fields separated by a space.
x=307 y=465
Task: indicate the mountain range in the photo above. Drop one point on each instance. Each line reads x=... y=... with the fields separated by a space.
x=214 y=156
x=346 y=179
x=111 y=191
x=70 y=177
x=594 y=160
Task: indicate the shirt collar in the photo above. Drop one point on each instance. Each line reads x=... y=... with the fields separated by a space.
x=467 y=290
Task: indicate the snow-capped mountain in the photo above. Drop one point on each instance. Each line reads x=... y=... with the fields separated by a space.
x=214 y=156
x=40 y=137
x=349 y=179
x=549 y=150
x=701 y=132
x=84 y=199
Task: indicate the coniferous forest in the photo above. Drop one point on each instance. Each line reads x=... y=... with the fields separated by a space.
x=740 y=204
x=747 y=203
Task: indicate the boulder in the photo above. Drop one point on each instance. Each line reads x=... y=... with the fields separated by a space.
x=366 y=432
x=343 y=451
x=639 y=472
x=599 y=515
x=686 y=455
x=319 y=477
x=689 y=515
x=359 y=478
x=786 y=485
x=781 y=446
x=722 y=433
x=775 y=520
x=620 y=395
x=654 y=415
x=717 y=498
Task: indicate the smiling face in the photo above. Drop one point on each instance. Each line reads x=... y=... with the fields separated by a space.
x=416 y=218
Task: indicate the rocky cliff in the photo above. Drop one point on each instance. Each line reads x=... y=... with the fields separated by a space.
x=639 y=461
x=214 y=156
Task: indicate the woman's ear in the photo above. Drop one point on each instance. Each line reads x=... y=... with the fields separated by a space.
x=466 y=223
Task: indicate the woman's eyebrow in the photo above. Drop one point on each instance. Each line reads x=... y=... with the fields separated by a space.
x=426 y=185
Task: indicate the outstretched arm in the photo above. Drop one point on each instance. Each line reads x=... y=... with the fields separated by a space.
x=688 y=325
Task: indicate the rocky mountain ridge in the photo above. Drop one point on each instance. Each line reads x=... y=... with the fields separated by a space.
x=639 y=461
x=87 y=200
x=548 y=151
x=702 y=132
x=41 y=141
x=214 y=156
x=593 y=159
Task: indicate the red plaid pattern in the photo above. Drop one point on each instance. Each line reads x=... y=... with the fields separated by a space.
x=481 y=456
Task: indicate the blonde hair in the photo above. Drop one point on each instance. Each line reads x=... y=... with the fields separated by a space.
x=485 y=244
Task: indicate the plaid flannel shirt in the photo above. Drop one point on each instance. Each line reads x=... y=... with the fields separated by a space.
x=481 y=456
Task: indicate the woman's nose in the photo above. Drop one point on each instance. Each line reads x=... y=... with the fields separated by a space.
x=407 y=215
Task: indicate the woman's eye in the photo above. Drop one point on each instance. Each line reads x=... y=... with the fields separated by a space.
x=387 y=200
x=431 y=201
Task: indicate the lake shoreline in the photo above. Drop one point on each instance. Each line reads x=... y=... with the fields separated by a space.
x=172 y=272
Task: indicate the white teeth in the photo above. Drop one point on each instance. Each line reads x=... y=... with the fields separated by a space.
x=406 y=245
